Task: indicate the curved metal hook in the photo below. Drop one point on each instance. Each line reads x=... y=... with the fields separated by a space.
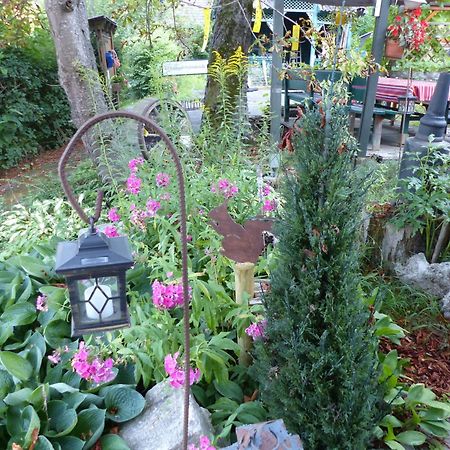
x=148 y=123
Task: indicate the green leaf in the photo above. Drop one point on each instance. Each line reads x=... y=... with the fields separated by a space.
x=39 y=396
x=30 y=423
x=394 y=445
x=6 y=383
x=113 y=442
x=229 y=389
x=91 y=423
x=18 y=398
x=43 y=444
x=16 y=365
x=57 y=333
x=61 y=418
x=69 y=443
x=418 y=393
x=123 y=403
x=19 y=314
x=411 y=438
x=32 y=266
x=436 y=428
x=63 y=387
x=391 y=420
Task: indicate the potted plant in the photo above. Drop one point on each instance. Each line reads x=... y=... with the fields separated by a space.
x=406 y=34
x=118 y=82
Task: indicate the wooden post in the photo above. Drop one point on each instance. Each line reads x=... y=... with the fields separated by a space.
x=245 y=284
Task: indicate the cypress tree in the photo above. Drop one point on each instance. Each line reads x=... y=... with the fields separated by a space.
x=317 y=366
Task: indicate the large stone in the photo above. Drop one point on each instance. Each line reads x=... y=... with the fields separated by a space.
x=445 y=305
x=431 y=278
x=160 y=426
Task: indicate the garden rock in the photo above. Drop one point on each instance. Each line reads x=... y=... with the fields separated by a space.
x=160 y=426
x=445 y=306
x=270 y=435
x=431 y=278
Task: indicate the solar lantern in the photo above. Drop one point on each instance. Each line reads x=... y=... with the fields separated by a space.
x=406 y=103
x=95 y=269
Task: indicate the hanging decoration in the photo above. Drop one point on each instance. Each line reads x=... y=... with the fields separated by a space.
x=295 y=38
x=258 y=17
x=207 y=27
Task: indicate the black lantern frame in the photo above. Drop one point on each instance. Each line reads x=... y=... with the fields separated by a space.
x=407 y=103
x=95 y=270
x=152 y=127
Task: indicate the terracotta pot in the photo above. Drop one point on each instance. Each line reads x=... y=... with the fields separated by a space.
x=393 y=50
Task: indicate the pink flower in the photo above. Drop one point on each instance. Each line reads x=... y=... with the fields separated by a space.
x=189 y=238
x=162 y=179
x=165 y=196
x=205 y=444
x=55 y=357
x=152 y=207
x=134 y=163
x=269 y=205
x=225 y=187
x=41 y=303
x=257 y=330
x=169 y=274
x=176 y=372
x=266 y=190
x=133 y=184
x=113 y=216
x=167 y=296
x=138 y=217
x=92 y=368
x=223 y=184
x=111 y=231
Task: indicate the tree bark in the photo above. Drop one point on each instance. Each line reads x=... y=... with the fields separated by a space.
x=231 y=29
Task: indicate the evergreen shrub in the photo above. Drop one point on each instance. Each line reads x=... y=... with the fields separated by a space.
x=318 y=366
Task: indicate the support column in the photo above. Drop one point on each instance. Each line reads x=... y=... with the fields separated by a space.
x=275 y=86
x=379 y=36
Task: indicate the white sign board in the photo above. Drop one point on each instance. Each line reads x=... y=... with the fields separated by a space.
x=196 y=67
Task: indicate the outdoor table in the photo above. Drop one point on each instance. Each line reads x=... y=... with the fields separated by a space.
x=389 y=89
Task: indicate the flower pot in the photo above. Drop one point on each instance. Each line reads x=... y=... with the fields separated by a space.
x=393 y=50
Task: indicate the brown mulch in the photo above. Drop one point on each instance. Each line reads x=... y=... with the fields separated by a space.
x=429 y=359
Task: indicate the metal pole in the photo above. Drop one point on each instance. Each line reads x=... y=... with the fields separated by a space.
x=379 y=36
x=275 y=86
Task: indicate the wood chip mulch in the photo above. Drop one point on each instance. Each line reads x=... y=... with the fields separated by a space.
x=429 y=359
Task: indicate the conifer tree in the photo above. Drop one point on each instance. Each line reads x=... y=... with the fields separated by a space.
x=317 y=366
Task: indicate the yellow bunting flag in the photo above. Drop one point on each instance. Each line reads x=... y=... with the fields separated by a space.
x=340 y=19
x=258 y=17
x=295 y=38
x=207 y=26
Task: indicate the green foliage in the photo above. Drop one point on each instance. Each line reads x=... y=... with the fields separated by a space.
x=318 y=366
x=425 y=205
x=44 y=405
x=34 y=112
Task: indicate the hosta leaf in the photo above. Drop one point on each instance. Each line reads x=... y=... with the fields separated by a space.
x=229 y=389
x=16 y=365
x=43 y=444
x=411 y=438
x=31 y=424
x=61 y=419
x=123 y=403
x=20 y=397
x=57 y=333
x=394 y=445
x=113 y=442
x=6 y=383
x=19 y=314
x=39 y=396
x=69 y=443
x=32 y=266
x=91 y=423
x=436 y=428
x=418 y=393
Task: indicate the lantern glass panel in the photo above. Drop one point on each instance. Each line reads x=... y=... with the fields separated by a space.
x=98 y=295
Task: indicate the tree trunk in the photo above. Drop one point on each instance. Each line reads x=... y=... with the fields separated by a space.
x=231 y=29
x=78 y=73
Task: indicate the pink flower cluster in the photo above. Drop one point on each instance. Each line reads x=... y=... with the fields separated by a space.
x=257 y=330
x=92 y=369
x=41 y=303
x=205 y=444
x=113 y=215
x=162 y=179
x=111 y=231
x=269 y=205
x=176 y=372
x=167 y=296
x=138 y=216
x=134 y=164
x=55 y=357
x=134 y=184
x=225 y=187
x=266 y=190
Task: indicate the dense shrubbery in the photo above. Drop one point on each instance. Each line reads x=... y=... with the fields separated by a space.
x=34 y=112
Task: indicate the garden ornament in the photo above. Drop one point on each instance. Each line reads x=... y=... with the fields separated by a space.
x=95 y=265
x=241 y=243
x=270 y=435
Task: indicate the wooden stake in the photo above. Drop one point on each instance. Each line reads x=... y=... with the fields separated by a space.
x=244 y=276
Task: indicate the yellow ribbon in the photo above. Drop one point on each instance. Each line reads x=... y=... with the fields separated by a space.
x=295 y=38
x=207 y=21
x=258 y=17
